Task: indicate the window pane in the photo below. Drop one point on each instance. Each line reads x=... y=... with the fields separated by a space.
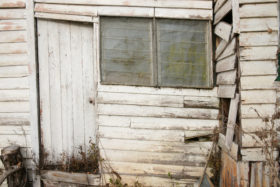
x=126 y=51
x=183 y=57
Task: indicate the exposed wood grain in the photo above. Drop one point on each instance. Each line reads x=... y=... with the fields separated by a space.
x=201 y=102
x=258 y=39
x=226 y=64
x=257 y=82
x=231 y=151
x=63 y=17
x=13 y=36
x=14 y=95
x=258 y=24
x=183 y=13
x=257 y=124
x=256 y=155
x=258 y=68
x=243 y=172
x=256 y=1
x=258 y=53
x=258 y=96
x=12 y=4
x=129 y=110
x=229 y=50
x=14 y=83
x=13 y=48
x=235 y=17
x=13 y=59
x=140 y=99
x=218 y=5
x=14 y=106
x=6 y=14
x=258 y=10
x=14 y=71
x=220 y=48
x=12 y=25
x=225 y=78
x=223 y=30
x=126 y=11
x=157 y=123
x=14 y=121
x=257 y=111
x=226 y=91
x=222 y=12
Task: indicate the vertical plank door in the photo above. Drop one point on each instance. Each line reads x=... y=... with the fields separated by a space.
x=66 y=82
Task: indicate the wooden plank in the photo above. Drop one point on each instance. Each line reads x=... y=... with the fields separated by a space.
x=229 y=50
x=258 y=10
x=256 y=1
x=201 y=148
x=63 y=17
x=148 y=111
x=78 y=178
x=14 y=83
x=14 y=95
x=258 y=68
x=222 y=12
x=14 y=130
x=256 y=155
x=14 y=106
x=20 y=140
x=9 y=120
x=218 y=5
x=243 y=173
x=226 y=64
x=231 y=151
x=232 y=116
x=226 y=91
x=140 y=99
x=157 y=123
x=258 y=39
x=220 y=48
x=235 y=17
x=6 y=14
x=198 y=4
x=158 y=91
x=257 y=111
x=13 y=48
x=257 y=82
x=12 y=4
x=258 y=53
x=13 y=36
x=258 y=24
x=13 y=59
x=14 y=71
x=226 y=78
x=258 y=97
x=201 y=102
x=126 y=11
x=223 y=30
x=257 y=124
x=183 y=13
x=153 y=157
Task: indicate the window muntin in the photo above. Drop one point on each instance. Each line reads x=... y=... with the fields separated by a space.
x=160 y=52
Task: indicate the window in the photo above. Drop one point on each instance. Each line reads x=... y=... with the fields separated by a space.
x=155 y=52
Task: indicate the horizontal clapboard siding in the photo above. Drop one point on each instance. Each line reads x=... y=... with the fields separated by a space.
x=141 y=126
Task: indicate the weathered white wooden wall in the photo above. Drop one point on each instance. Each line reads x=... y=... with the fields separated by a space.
x=14 y=72
x=258 y=49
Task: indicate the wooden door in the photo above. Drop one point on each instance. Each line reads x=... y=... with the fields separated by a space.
x=66 y=82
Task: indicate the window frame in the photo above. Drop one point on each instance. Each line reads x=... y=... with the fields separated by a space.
x=155 y=67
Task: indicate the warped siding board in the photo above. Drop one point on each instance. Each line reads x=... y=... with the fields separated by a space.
x=12 y=4
x=258 y=24
x=11 y=107
x=156 y=146
x=258 y=68
x=63 y=17
x=183 y=13
x=258 y=10
x=13 y=59
x=256 y=1
x=258 y=39
x=256 y=155
x=226 y=91
x=148 y=134
x=157 y=123
x=6 y=14
x=218 y=5
x=150 y=111
x=257 y=82
x=258 y=53
x=14 y=71
x=226 y=78
x=14 y=83
x=13 y=36
x=158 y=91
x=14 y=95
x=235 y=17
x=13 y=48
x=257 y=110
x=135 y=3
x=223 y=30
x=258 y=97
x=226 y=64
x=201 y=102
x=229 y=50
x=139 y=99
x=223 y=11
x=21 y=140
x=12 y=25
x=254 y=125
x=153 y=157
x=220 y=48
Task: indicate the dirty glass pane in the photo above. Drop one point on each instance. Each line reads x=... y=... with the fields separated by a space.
x=182 y=49
x=126 y=51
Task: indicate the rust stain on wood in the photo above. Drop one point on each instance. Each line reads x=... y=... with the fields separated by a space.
x=229 y=172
